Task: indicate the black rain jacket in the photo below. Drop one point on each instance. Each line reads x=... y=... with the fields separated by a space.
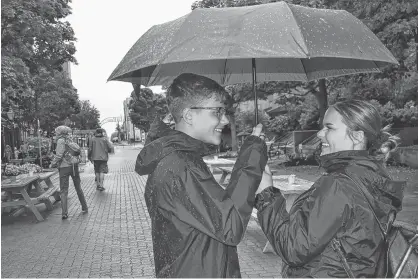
x=196 y=224
x=332 y=207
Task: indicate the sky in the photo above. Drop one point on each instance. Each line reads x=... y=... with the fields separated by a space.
x=105 y=31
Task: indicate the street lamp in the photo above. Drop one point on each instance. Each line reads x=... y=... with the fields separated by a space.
x=11 y=116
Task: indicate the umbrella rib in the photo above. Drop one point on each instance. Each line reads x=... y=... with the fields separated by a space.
x=304 y=50
x=304 y=69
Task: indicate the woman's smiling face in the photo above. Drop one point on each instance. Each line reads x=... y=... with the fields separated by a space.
x=334 y=135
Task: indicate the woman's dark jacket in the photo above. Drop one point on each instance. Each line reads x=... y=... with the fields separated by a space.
x=332 y=207
x=196 y=224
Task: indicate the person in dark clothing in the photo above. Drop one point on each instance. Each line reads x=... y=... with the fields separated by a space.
x=334 y=208
x=197 y=224
x=98 y=153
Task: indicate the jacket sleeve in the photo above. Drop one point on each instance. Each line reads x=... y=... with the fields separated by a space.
x=312 y=223
x=110 y=148
x=195 y=198
x=59 y=153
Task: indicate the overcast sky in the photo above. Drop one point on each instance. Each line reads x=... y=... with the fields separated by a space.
x=105 y=31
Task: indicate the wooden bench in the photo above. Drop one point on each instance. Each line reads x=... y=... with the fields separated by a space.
x=44 y=198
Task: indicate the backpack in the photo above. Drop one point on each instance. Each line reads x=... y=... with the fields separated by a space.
x=73 y=148
x=400 y=259
x=72 y=152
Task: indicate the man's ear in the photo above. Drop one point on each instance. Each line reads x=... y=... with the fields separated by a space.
x=358 y=137
x=187 y=116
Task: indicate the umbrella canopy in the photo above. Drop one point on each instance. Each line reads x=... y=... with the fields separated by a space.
x=283 y=42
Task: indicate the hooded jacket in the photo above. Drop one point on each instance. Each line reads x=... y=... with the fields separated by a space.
x=196 y=224
x=332 y=207
x=99 y=148
x=61 y=158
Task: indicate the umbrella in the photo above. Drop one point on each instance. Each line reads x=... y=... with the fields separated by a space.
x=268 y=42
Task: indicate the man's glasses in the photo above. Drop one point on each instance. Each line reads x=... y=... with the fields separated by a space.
x=219 y=111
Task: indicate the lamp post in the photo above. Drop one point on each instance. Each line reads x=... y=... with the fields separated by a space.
x=11 y=116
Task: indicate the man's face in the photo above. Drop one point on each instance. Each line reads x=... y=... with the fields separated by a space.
x=207 y=123
x=334 y=134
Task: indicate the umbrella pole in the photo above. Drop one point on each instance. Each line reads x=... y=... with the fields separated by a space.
x=255 y=92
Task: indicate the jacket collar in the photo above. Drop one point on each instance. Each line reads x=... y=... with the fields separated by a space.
x=371 y=170
x=161 y=141
x=337 y=160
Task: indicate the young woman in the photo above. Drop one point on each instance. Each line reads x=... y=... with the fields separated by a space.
x=335 y=208
x=67 y=166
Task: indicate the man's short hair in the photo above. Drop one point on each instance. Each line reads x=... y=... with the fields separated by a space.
x=188 y=90
x=100 y=131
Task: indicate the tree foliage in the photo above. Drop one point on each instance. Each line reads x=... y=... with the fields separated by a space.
x=57 y=100
x=88 y=117
x=245 y=120
x=145 y=106
x=35 y=43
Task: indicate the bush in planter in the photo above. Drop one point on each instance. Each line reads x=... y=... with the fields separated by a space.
x=11 y=170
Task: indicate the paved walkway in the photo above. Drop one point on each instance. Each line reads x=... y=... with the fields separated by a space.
x=112 y=240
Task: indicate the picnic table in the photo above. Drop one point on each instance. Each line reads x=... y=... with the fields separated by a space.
x=225 y=172
x=219 y=162
x=23 y=185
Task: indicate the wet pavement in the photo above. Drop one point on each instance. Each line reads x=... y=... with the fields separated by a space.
x=112 y=240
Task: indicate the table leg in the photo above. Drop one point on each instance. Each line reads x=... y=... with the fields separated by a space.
x=49 y=182
x=38 y=187
x=224 y=175
x=31 y=205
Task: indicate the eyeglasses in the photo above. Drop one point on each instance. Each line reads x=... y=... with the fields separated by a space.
x=219 y=111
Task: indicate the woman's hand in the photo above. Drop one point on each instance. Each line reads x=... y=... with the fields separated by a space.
x=266 y=180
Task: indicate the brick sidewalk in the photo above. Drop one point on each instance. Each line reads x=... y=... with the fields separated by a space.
x=112 y=240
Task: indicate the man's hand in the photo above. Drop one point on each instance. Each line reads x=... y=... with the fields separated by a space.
x=257 y=131
x=266 y=180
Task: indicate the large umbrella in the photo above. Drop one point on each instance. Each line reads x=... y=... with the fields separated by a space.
x=269 y=42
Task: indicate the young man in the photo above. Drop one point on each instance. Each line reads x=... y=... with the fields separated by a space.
x=196 y=224
x=99 y=149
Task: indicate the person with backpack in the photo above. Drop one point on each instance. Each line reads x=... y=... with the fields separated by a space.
x=337 y=227
x=98 y=154
x=66 y=160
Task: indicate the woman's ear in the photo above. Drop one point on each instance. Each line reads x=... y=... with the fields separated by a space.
x=358 y=138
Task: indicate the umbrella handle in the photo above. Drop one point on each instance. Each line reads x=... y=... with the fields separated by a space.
x=254 y=74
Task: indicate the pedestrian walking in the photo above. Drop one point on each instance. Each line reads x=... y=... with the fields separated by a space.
x=98 y=154
x=333 y=230
x=196 y=224
x=67 y=165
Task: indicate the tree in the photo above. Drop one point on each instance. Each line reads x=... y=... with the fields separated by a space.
x=35 y=42
x=145 y=106
x=89 y=116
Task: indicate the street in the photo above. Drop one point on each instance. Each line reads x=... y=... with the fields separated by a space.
x=112 y=240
